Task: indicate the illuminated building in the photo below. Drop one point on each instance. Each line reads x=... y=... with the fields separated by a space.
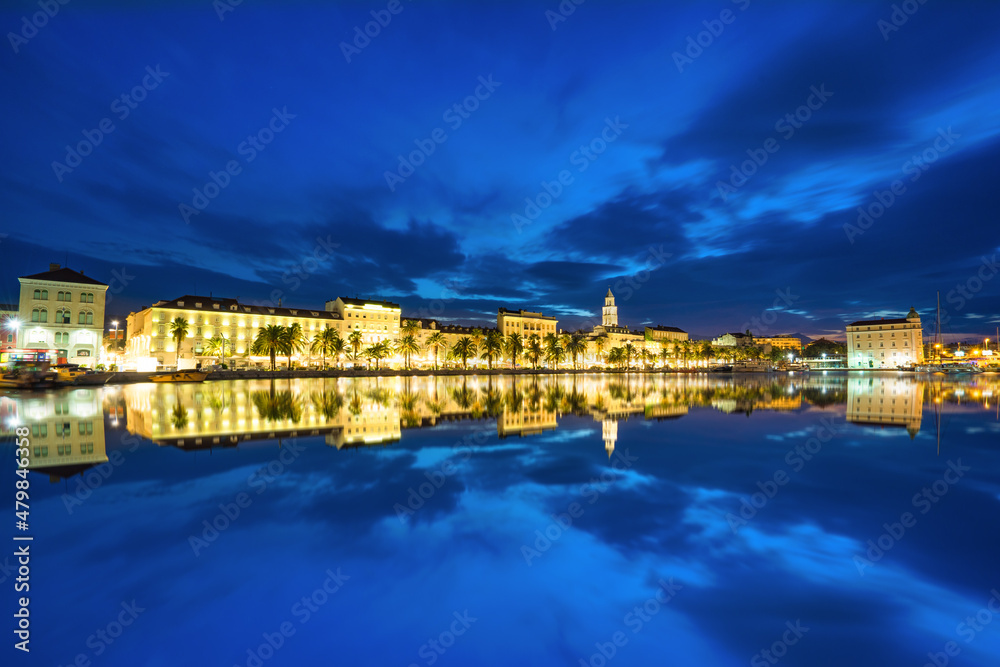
x=525 y=323
x=376 y=320
x=885 y=343
x=781 y=343
x=10 y=321
x=62 y=310
x=150 y=345
x=733 y=340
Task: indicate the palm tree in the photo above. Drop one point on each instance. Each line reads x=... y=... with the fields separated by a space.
x=533 y=350
x=218 y=345
x=576 y=346
x=616 y=356
x=492 y=346
x=553 y=350
x=325 y=342
x=463 y=349
x=178 y=331
x=269 y=341
x=410 y=327
x=513 y=345
x=294 y=340
x=629 y=350
x=435 y=342
x=356 y=340
x=599 y=344
x=407 y=345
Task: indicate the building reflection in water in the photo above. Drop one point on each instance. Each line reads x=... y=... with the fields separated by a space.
x=67 y=431
x=67 y=427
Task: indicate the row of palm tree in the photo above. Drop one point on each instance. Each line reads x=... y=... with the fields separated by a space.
x=273 y=340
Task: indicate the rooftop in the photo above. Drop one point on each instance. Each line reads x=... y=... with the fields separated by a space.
x=865 y=323
x=663 y=328
x=525 y=313
x=62 y=275
x=212 y=304
x=361 y=302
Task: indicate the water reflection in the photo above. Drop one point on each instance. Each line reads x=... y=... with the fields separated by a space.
x=67 y=427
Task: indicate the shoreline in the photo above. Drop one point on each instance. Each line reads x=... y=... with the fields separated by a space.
x=133 y=377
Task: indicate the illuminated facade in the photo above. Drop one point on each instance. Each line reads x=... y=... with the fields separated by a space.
x=376 y=320
x=733 y=340
x=525 y=323
x=63 y=310
x=10 y=322
x=782 y=343
x=885 y=343
x=150 y=345
x=609 y=314
x=67 y=432
x=885 y=402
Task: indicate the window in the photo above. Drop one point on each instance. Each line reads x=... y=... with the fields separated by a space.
x=87 y=448
x=162 y=329
x=86 y=428
x=39 y=315
x=37 y=294
x=86 y=317
x=62 y=315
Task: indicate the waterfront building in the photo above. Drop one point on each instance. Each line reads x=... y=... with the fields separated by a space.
x=789 y=343
x=734 y=340
x=150 y=345
x=376 y=320
x=10 y=322
x=525 y=323
x=885 y=343
x=661 y=333
x=62 y=311
x=67 y=432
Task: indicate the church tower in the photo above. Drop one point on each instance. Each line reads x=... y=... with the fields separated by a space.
x=610 y=315
x=609 y=429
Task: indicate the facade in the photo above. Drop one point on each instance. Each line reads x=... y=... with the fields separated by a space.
x=376 y=320
x=782 y=343
x=885 y=343
x=151 y=347
x=67 y=432
x=885 y=402
x=62 y=310
x=10 y=321
x=672 y=334
x=734 y=340
x=525 y=323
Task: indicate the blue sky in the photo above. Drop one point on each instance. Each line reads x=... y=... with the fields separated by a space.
x=445 y=240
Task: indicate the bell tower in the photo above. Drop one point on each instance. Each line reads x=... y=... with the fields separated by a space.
x=610 y=314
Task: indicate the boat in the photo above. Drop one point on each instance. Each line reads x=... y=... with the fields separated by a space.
x=753 y=367
x=179 y=376
x=720 y=369
x=68 y=373
x=29 y=375
x=797 y=367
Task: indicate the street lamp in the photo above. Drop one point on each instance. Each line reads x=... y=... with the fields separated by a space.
x=225 y=341
x=114 y=339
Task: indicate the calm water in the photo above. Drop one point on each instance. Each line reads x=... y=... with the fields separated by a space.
x=561 y=520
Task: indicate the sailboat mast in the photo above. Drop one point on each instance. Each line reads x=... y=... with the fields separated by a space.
x=937 y=330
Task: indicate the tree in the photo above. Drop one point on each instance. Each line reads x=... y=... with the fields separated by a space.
x=818 y=348
x=492 y=346
x=464 y=348
x=269 y=341
x=616 y=357
x=705 y=351
x=599 y=344
x=326 y=342
x=554 y=352
x=219 y=346
x=178 y=331
x=356 y=340
x=406 y=346
x=629 y=351
x=533 y=350
x=410 y=327
x=435 y=342
x=293 y=340
x=576 y=345
x=513 y=345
